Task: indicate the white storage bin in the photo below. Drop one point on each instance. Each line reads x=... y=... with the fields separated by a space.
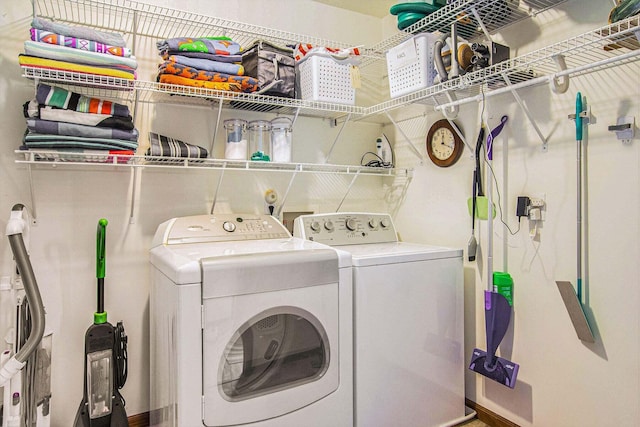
x=325 y=79
x=410 y=65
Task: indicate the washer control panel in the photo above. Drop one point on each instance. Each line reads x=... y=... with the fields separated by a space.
x=349 y=228
x=223 y=227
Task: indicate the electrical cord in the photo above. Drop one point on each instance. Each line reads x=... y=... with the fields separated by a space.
x=120 y=354
x=493 y=175
x=378 y=162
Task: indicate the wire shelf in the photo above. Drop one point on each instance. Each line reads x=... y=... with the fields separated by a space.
x=617 y=43
x=95 y=159
x=158 y=22
x=591 y=51
x=494 y=15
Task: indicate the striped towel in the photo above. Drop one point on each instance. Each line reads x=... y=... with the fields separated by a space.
x=165 y=146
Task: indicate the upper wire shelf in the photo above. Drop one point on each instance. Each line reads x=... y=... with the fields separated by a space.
x=591 y=51
x=142 y=19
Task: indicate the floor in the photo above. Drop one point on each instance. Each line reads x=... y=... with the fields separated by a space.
x=473 y=423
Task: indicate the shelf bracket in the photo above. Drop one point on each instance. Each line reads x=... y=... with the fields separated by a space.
x=406 y=138
x=134 y=192
x=215 y=195
x=32 y=196
x=326 y=160
x=215 y=130
x=295 y=117
x=526 y=111
x=286 y=193
x=482 y=26
x=353 y=181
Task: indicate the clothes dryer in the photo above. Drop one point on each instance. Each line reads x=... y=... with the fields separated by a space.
x=249 y=326
x=408 y=321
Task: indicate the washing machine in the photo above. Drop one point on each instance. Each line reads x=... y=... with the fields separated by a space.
x=408 y=321
x=248 y=326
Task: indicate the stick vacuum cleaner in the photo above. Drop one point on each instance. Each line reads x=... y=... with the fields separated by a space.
x=497 y=310
x=105 y=363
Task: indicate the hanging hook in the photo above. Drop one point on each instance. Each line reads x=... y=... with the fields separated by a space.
x=561 y=84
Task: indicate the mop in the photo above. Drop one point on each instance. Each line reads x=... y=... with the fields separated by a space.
x=573 y=301
x=497 y=310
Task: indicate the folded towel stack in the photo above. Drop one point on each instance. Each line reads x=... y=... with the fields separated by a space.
x=56 y=46
x=59 y=120
x=208 y=62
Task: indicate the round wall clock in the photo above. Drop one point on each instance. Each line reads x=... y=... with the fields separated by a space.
x=444 y=146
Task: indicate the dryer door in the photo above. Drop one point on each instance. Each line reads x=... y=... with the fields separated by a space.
x=270 y=353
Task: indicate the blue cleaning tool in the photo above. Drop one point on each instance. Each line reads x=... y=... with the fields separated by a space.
x=573 y=299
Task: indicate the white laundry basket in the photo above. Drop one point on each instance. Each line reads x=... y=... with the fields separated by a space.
x=323 y=78
x=410 y=65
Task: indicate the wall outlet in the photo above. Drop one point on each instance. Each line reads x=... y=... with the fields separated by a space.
x=537 y=202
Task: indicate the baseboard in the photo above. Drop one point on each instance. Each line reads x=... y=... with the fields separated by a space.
x=484 y=415
x=489 y=417
x=139 y=420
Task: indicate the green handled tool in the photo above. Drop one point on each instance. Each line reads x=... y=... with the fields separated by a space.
x=105 y=361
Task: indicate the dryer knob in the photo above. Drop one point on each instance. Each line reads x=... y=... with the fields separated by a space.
x=328 y=226
x=384 y=223
x=373 y=223
x=229 y=226
x=351 y=224
x=315 y=226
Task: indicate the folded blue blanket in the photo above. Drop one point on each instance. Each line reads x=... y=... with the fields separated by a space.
x=207 y=65
x=71 y=129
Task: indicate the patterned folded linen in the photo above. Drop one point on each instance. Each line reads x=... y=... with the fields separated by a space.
x=61 y=98
x=76 y=43
x=72 y=129
x=63 y=53
x=203 y=55
x=216 y=45
x=36 y=140
x=113 y=39
x=33 y=109
x=165 y=146
x=182 y=81
x=247 y=84
x=207 y=65
x=51 y=64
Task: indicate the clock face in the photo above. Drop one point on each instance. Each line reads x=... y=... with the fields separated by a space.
x=443 y=144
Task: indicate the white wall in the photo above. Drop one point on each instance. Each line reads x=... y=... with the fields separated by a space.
x=562 y=381
x=70 y=201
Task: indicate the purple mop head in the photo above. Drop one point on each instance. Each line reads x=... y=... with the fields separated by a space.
x=502 y=370
x=497 y=314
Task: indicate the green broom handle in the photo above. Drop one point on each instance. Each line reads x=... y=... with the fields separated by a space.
x=100 y=316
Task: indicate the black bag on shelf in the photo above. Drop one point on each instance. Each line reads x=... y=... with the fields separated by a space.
x=273 y=66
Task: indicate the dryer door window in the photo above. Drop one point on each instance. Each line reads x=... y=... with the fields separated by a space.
x=278 y=349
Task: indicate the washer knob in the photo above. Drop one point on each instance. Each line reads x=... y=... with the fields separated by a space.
x=351 y=224
x=384 y=223
x=328 y=226
x=315 y=226
x=373 y=223
x=229 y=226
